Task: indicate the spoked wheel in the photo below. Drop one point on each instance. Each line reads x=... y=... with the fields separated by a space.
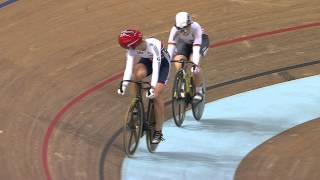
x=178 y=101
x=198 y=106
x=151 y=128
x=133 y=128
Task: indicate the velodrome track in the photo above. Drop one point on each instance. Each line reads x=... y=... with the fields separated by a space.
x=60 y=66
x=230 y=128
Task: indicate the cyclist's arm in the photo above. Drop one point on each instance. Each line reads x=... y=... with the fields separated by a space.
x=129 y=67
x=172 y=42
x=196 y=44
x=156 y=62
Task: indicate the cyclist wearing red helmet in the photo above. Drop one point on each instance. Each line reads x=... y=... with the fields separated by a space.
x=187 y=41
x=154 y=61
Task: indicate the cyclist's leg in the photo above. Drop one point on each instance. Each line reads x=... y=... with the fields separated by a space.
x=159 y=105
x=177 y=58
x=197 y=80
x=159 y=112
x=141 y=70
x=203 y=52
x=159 y=99
x=196 y=73
x=183 y=52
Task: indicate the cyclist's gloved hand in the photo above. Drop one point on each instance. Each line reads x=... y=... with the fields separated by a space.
x=150 y=93
x=122 y=90
x=195 y=69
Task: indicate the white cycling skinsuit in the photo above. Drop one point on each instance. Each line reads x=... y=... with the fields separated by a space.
x=194 y=37
x=155 y=52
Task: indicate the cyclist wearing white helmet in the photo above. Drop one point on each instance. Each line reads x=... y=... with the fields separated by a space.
x=154 y=61
x=187 y=41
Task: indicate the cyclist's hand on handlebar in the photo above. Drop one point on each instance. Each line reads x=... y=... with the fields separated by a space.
x=150 y=93
x=195 y=69
x=122 y=90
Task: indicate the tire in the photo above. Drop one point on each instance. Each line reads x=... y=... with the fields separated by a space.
x=133 y=128
x=178 y=103
x=151 y=128
x=198 y=107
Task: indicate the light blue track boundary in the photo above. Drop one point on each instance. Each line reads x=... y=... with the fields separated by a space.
x=230 y=129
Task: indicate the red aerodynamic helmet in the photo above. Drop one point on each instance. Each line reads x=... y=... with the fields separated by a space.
x=130 y=38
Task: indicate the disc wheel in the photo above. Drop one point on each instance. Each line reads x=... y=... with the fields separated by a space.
x=198 y=106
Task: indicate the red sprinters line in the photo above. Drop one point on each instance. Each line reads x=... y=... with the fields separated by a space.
x=117 y=76
x=66 y=108
x=222 y=43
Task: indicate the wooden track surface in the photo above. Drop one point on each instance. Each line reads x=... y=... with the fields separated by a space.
x=56 y=123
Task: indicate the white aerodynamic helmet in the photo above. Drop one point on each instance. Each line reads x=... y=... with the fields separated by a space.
x=183 y=19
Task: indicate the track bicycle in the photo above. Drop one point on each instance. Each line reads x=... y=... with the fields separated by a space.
x=138 y=121
x=183 y=91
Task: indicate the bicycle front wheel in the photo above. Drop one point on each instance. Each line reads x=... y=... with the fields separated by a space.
x=133 y=127
x=178 y=99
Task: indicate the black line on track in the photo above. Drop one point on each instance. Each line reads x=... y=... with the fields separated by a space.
x=109 y=143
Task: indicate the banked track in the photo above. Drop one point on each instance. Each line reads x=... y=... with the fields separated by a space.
x=53 y=51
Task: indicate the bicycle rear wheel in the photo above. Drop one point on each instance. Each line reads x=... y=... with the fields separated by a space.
x=198 y=106
x=151 y=121
x=178 y=102
x=133 y=127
